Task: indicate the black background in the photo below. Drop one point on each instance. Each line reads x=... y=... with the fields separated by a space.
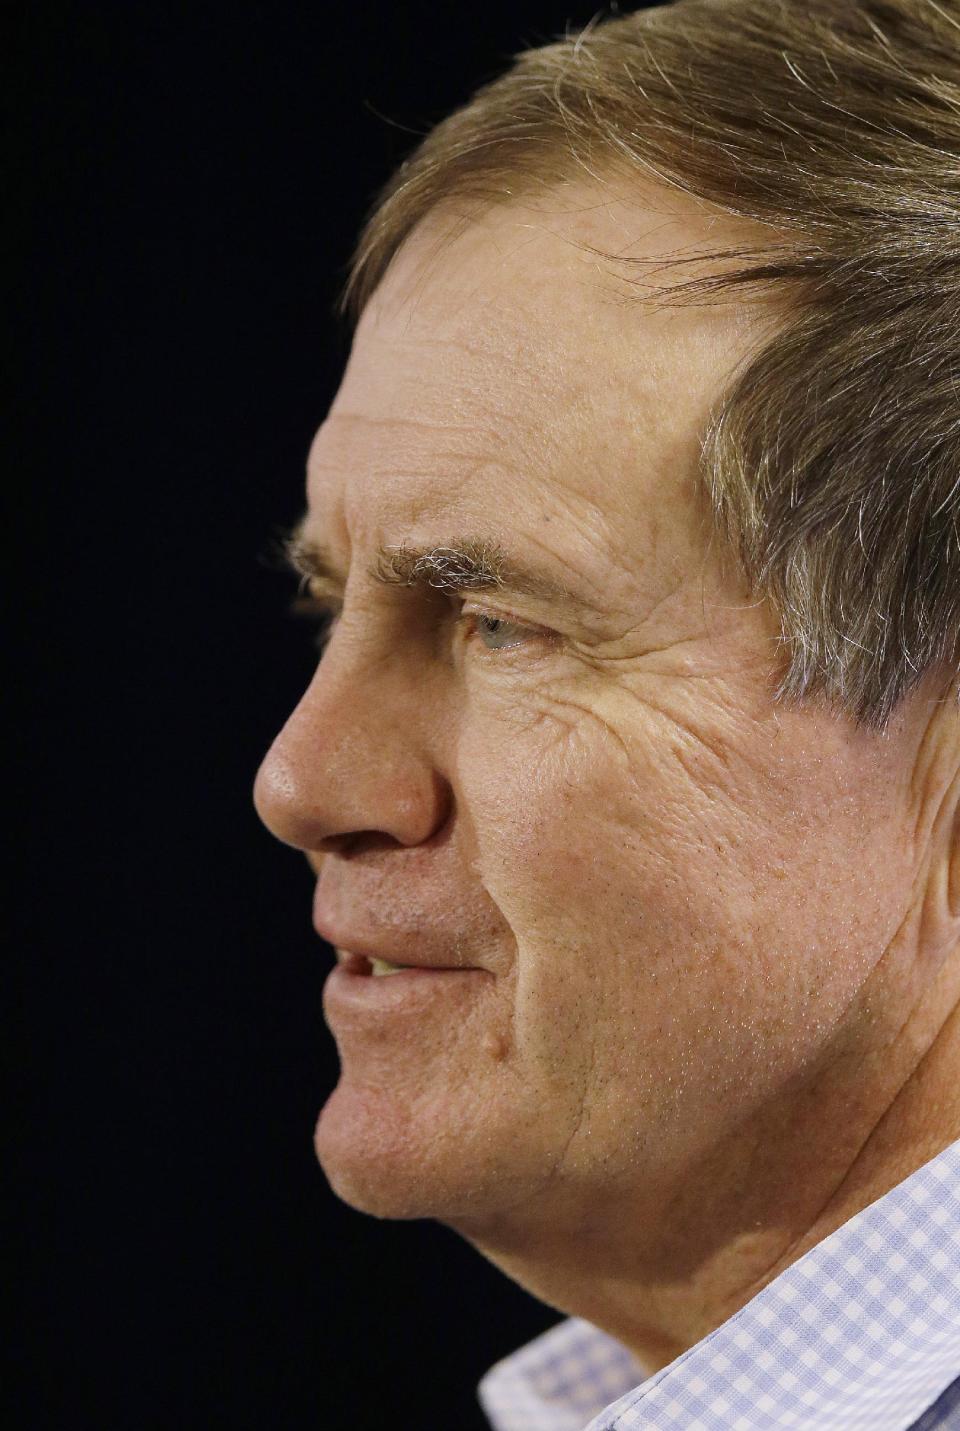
x=187 y=184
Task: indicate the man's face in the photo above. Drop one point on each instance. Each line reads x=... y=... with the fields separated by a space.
x=657 y=894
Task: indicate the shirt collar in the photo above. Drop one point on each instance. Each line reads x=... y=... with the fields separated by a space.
x=863 y=1329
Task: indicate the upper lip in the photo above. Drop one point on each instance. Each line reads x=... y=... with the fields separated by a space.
x=352 y=949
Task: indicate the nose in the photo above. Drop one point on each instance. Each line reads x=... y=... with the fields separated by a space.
x=352 y=759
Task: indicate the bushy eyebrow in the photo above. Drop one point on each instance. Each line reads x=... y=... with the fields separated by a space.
x=462 y=564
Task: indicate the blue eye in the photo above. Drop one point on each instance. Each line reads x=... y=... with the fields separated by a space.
x=496 y=633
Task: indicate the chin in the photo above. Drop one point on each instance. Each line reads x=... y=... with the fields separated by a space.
x=384 y=1161
x=372 y=1158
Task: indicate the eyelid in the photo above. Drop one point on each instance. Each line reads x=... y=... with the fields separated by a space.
x=325 y=607
x=325 y=603
x=529 y=648
x=497 y=613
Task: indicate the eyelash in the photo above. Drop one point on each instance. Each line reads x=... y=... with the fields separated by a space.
x=324 y=616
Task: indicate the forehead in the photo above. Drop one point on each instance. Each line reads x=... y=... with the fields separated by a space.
x=505 y=372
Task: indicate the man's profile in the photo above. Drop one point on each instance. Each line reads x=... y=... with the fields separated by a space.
x=630 y=773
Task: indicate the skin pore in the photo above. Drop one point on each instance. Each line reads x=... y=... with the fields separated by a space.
x=717 y=935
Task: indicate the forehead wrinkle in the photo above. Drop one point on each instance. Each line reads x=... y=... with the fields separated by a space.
x=479 y=435
x=476 y=373
x=420 y=473
x=476 y=313
x=455 y=490
x=601 y=589
x=444 y=388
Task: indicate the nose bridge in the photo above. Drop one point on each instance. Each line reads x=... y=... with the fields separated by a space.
x=352 y=757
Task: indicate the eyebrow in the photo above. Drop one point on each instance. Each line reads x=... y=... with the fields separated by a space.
x=464 y=563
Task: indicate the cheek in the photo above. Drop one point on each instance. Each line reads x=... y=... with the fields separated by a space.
x=544 y=799
x=589 y=843
x=589 y=863
x=676 y=924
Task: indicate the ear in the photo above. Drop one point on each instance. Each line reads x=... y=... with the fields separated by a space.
x=942 y=912
x=953 y=859
x=940 y=926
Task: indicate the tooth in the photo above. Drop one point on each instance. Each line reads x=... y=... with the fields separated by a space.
x=383 y=966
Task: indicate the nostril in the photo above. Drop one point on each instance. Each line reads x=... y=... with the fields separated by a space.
x=358 y=842
x=330 y=786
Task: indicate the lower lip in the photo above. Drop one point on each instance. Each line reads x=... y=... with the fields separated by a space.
x=407 y=992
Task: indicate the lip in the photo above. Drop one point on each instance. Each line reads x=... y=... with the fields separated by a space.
x=355 y=953
x=350 y=999
x=358 y=963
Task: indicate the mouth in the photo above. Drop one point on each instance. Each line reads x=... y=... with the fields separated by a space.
x=380 y=967
x=373 y=967
x=362 y=987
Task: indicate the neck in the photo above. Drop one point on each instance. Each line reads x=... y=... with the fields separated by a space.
x=661 y=1269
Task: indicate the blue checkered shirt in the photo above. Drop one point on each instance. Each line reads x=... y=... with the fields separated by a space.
x=860 y=1334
